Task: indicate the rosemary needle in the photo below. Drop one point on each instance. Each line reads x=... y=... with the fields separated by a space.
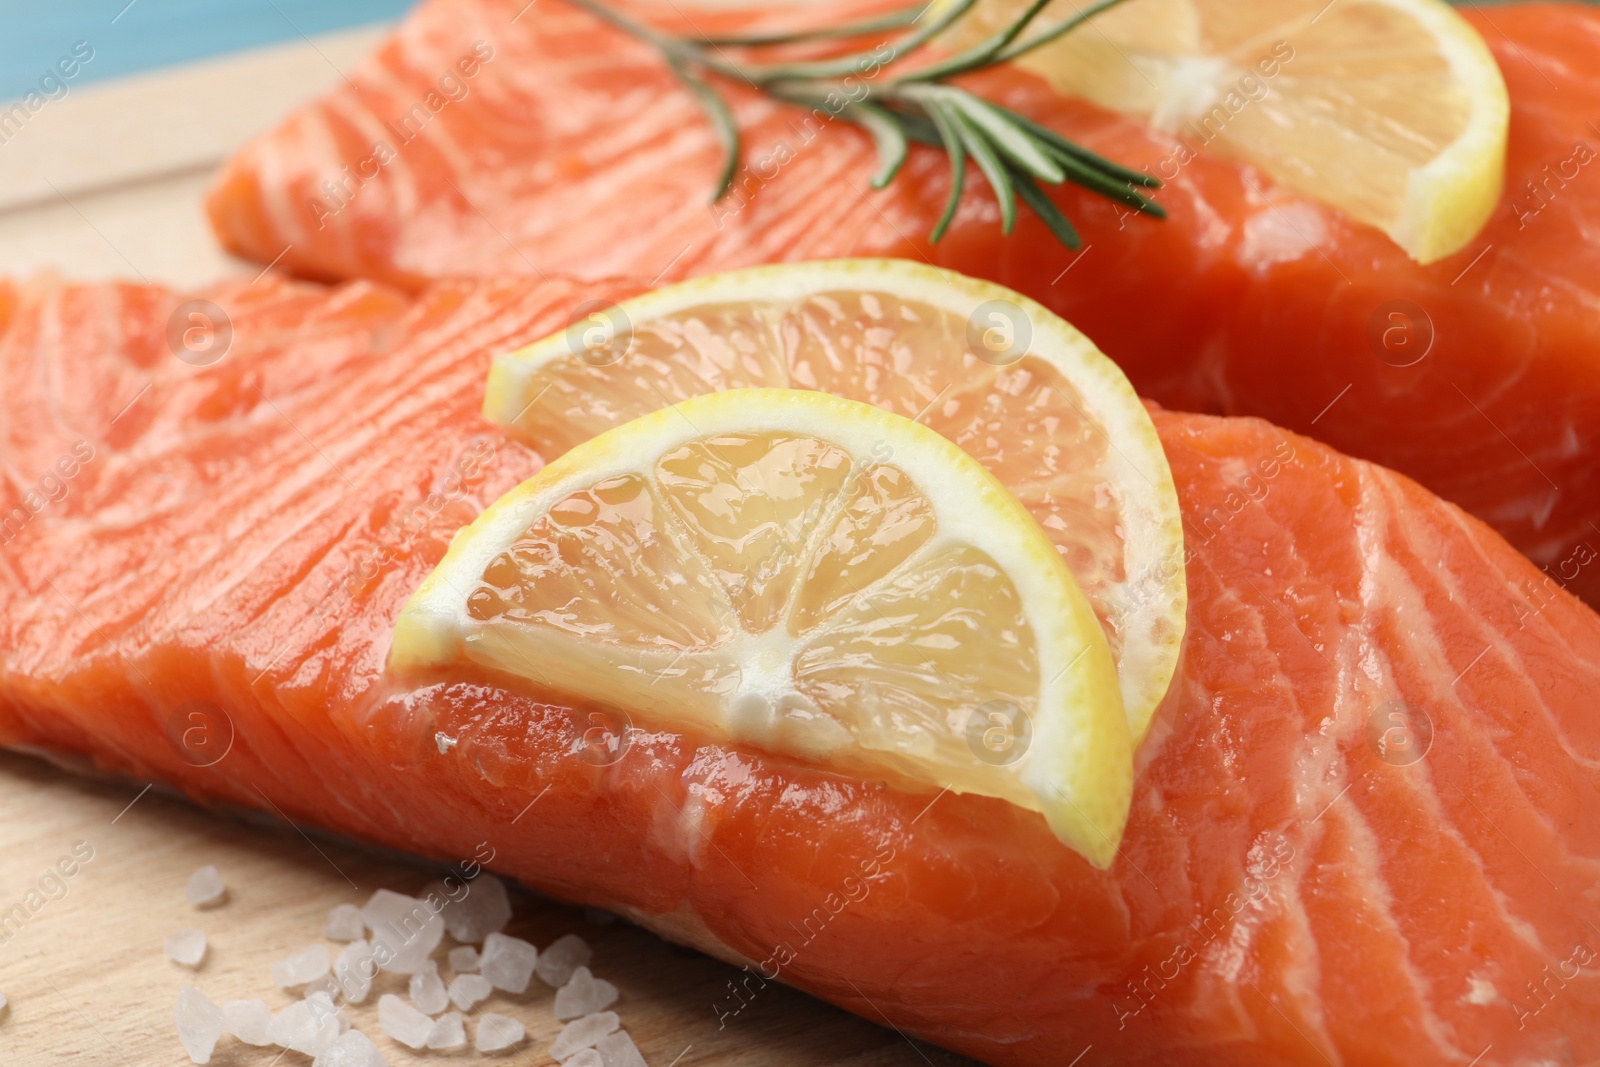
x=722 y=120
x=1014 y=153
x=893 y=21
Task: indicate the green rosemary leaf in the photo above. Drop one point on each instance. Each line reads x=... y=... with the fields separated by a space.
x=722 y=120
x=1061 y=146
x=1046 y=209
x=887 y=135
x=1108 y=186
x=1012 y=140
x=844 y=66
x=919 y=129
x=950 y=136
x=992 y=166
x=1006 y=55
x=983 y=53
x=894 y=20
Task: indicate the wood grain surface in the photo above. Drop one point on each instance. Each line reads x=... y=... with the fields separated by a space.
x=88 y=982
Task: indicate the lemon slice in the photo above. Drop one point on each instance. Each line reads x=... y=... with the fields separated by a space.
x=1016 y=387
x=809 y=575
x=1393 y=111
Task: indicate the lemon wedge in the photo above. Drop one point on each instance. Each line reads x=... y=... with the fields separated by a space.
x=1007 y=380
x=1393 y=111
x=804 y=574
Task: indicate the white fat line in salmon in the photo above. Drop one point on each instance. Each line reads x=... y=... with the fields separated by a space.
x=852 y=890
x=52 y=885
x=753 y=177
x=1207 y=926
x=1551 y=984
x=1540 y=595
x=451 y=87
x=51 y=488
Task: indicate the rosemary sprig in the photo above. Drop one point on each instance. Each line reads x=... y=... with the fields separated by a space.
x=1013 y=152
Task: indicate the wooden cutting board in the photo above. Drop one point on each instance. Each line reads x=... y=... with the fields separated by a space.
x=88 y=982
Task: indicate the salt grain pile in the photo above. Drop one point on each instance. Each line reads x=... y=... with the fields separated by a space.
x=400 y=936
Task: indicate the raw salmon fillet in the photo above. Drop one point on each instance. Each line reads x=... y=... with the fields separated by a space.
x=1296 y=887
x=574 y=150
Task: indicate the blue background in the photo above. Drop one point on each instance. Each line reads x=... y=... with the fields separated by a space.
x=157 y=33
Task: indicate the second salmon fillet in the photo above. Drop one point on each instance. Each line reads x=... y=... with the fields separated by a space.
x=480 y=141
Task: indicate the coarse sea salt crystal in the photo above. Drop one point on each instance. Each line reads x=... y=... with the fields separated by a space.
x=344 y=924
x=467 y=990
x=205 y=887
x=187 y=946
x=448 y=1031
x=481 y=909
x=4 y=1003
x=247 y=1020
x=305 y=966
x=327 y=985
x=199 y=1023
x=583 y=1033
x=310 y=1026
x=497 y=1032
x=565 y=954
x=353 y=1049
x=463 y=959
x=354 y=970
x=402 y=1022
x=427 y=991
x=618 y=1050
x=587 y=1057
x=584 y=994
x=507 y=962
x=405 y=930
